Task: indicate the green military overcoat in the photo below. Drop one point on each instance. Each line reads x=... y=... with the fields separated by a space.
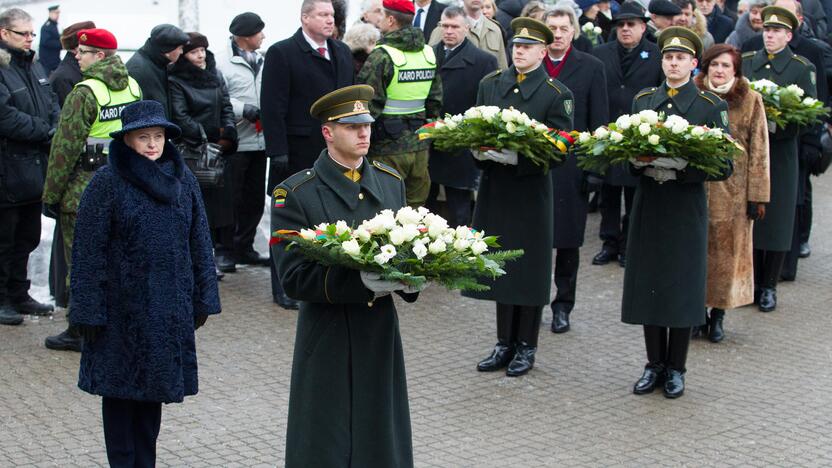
x=667 y=244
x=348 y=400
x=774 y=232
x=515 y=202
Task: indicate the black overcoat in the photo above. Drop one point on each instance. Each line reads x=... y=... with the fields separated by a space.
x=774 y=232
x=461 y=73
x=149 y=67
x=646 y=71
x=667 y=246
x=348 y=402
x=516 y=202
x=584 y=75
x=65 y=77
x=433 y=17
x=294 y=77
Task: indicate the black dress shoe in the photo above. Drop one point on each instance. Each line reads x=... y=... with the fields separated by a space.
x=499 y=358
x=252 y=258
x=560 y=320
x=768 y=300
x=716 y=333
x=523 y=360
x=622 y=260
x=286 y=302
x=805 y=250
x=603 y=257
x=674 y=385
x=29 y=306
x=9 y=316
x=67 y=340
x=652 y=377
x=225 y=263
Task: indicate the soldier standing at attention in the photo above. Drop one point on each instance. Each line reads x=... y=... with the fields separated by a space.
x=515 y=195
x=91 y=111
x=402 y=70
x=773 y=234
x=664 y=280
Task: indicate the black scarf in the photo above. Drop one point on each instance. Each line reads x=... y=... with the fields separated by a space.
x=147 y=175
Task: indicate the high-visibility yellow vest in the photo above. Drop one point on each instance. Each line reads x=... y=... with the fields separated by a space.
x=110 y=104
x=413 y=74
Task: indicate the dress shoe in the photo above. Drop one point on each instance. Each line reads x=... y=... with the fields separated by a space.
x=674 y=385
x=523 y=360
x=805 y=250
x=29 y=306
x=715 y=332
x=622 y=260
x=225 y=263
x=9 y=316
x=652 y=377
x=768 y=300
x=286 y=302
x=220 y=275
x=603 y=257
x=499 y=358
x=560 y=320
x=251 y=257
x=67 y=340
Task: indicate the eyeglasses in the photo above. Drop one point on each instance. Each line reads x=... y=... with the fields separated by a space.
x=82 y=51
x=24 y=34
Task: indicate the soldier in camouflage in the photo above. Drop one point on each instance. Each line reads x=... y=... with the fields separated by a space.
x=91 y=110
x=402 y=70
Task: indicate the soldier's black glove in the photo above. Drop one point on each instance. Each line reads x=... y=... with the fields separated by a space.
x=89 y=332
x=592 y=183
x=280 y=163
x=755 y=211
x=251 y=113
x=199 y=321
x=51 y=210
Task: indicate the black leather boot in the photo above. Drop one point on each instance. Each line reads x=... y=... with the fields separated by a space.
x=523 y=360
x=772 y=267
x=26 y=305
x=715 y=332
x=67 y=340
x=504 y=349
x=674 y=385
x=528 y=329
x=653 y=376
x=768 y=300
x=605 y=256
x=560 y=319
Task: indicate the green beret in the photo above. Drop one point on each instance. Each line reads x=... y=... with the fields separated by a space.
x=345 y=105
x=779 y=17
x=679 y=39
x=530 y=31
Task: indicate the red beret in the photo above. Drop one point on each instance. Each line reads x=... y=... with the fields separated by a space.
x=402 y=6
x=98 y=38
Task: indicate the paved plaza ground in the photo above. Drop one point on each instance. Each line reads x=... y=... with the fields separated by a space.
x=760 y=398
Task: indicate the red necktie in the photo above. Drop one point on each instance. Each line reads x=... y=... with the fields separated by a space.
x=322 y=51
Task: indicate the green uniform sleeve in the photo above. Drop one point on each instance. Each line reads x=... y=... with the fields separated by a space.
x=69 y=142
x=377 y=72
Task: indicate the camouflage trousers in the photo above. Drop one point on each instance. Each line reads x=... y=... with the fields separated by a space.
x=67 y=221
x=413 y=167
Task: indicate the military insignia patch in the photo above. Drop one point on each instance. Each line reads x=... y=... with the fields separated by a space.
x=524 y=32
x=568 y=106
x=358 y=107
x=675 y=42
x=724 y=115
x=82 y=38
x=279 y=196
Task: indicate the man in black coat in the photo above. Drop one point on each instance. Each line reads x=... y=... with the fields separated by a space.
x=429 y=18
x=461 y=66
x=719 y=25
x=297 y=72
x=30 y=114
x=149 y=65
x=584 y=75
x=631 y=64
x=49 y=50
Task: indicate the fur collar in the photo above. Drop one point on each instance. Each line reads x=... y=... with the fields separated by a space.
x=734 y=97
x=146 y=174
x=195 y=76
x=7 y=54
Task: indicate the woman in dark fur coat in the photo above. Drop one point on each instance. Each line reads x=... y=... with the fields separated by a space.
x=143 y=280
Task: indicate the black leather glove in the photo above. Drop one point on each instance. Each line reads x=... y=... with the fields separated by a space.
x=229 y=133
x=211 y=133
x=280 y=163
x=199 y=321
x=251 y=113
x=89 y=332
x=51 y=210
x=592 y=183
x=753 y=211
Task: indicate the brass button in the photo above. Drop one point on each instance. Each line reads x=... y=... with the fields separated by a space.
x=768 y=66
x=360 y=196
x=370 y=304
x=670 y=105
x=516 y=90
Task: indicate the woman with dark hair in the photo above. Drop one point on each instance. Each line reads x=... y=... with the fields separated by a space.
x=201 y=107
x=734 y=204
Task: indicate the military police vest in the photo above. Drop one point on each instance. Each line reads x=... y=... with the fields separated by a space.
x=110 y=104
x=413 y=74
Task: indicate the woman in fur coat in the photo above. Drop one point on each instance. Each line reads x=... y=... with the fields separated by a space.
x=142 y=281
x=734 y=204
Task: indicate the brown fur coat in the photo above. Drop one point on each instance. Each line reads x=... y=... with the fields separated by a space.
x=730 y=265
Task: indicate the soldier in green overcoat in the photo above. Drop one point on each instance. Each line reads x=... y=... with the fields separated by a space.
x=664 y=281
x=348 y=401
x=773 y=234
x=515 y=200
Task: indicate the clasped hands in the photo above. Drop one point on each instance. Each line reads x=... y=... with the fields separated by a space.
x=504 y=156
x=660 y=169
x=380 y=287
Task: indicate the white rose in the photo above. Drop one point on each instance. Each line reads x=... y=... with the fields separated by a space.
x=462 y=244
x=649 y=116
x=511 y=128
x=388 y=250
x=507 y=115
x=596 y=30
x=362 y=234
x=679 y=127
x=322 y=227
x=463 y=232
x=488 y=112
x=623 y=122
x=697 y=131
x=307 y=234
x=635 y=119
x=451 y=125
x=408 y=215
x=411 y=231
x=351 y=247
x=341 y=227
x=587 y=27
x=653 y=139
x=437 y=246
x=644 y=129
x=809 y=101
x=420 y=250
x=397 y=236
x=479 y=247
x=456 y=119
x=584 y=137
x=795 y=89
x=616 y=137
x=439 y=125
x=447 y=236
x=715 y=132
x=381 y=259
x=473 y=113
x=542 y=128
x=524 y=119
x=601 y=133
x=435 y=224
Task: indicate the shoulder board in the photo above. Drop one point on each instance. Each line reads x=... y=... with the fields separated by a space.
x=551 y=83
x=801 y=59
x=749 y=54
x=646 y=92
x=492 y=74
x=298 y=179
x=387 y=169
x=713 y=98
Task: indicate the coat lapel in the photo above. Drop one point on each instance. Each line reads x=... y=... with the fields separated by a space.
x=781 y=60
x=337 y=186
x=759 y=60
x=533 y=81
x=572 y=65
x=307 y=49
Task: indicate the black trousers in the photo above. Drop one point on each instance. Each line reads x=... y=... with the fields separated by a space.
x=19 y=237
x=458 y=204
x=518 y=324
x=566 y=277
x=223 y=238
x=802 y=230
x=130 y=432
x=667 y=346
x=57 y=269
x=768 y=265
x=613 y=226
x=248 y=169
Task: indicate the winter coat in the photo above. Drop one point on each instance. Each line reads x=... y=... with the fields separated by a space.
x=461 y=74
x=29 y=111
x=719 y=25
x=700 y=27
x=200 y=102
x=65 y=77
x=142 y=268
x=149 y=67
x=730 y=247
x=487 y=36
x=66 y=179
x=742 y=32
x=244 y=87
x=49 y=50
x=667 y=243
x=348 y=402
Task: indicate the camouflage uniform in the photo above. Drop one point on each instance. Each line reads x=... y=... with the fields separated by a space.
x=405 y=153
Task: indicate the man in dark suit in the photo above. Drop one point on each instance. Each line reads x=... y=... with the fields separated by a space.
x=428 y=19
x=584 y=75
x=631 y=64
x=461 y=66
x=297 y=72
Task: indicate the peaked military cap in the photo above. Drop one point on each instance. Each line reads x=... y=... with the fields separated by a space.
x=779 y=17
x=679 y=39
x=345 y=105
x=530 y=31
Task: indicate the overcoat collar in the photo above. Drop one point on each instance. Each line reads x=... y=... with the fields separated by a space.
x=683 y=100
x=307 y=49
x=508 y=80
x=778 y=63
x=146 y=174
x=458 y=58
x=572 y=65
x=332 y=175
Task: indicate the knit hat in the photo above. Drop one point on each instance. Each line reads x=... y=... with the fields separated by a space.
x=246 y=24
x=196 y=41
x=69 y=36
x=145 y=114
x=167 y=37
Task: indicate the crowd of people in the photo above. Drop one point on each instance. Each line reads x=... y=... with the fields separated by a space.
x=115 y=152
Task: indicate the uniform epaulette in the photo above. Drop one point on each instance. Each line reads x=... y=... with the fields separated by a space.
x=646 y=93
x=801 y=59
x=749 y=54
x=713 y=98
x=387 y=169
x=492 y=74
x=298 y=179
x=551 y=83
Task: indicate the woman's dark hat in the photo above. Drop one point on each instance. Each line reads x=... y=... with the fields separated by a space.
x=145 y=114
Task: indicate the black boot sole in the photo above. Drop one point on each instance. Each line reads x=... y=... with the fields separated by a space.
x=63 y=347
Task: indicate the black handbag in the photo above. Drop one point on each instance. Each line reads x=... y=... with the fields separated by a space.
x=204 y=160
